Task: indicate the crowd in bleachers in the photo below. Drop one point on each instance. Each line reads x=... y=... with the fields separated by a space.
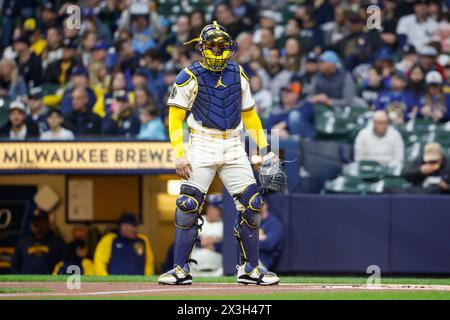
x=318 y=69
x=112 y=75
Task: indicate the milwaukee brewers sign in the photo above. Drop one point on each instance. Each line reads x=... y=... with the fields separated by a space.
x=86 y=155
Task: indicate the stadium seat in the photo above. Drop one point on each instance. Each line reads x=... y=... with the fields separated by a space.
x=366 y=170
x=346 y=184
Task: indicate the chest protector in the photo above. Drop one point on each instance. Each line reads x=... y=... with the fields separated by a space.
x=218 y=101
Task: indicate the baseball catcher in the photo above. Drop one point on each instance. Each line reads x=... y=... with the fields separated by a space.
x=216 y=93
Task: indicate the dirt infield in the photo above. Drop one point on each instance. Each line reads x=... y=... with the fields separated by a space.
x=115 y=289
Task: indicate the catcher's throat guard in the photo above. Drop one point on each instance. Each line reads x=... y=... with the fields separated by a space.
x=215 y=45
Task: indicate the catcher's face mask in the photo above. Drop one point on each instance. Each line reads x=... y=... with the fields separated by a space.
x=216 y=46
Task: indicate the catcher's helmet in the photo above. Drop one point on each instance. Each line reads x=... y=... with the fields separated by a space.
x=216 y=46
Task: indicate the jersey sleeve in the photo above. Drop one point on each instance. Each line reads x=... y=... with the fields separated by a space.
x=247 y=101
x=149 y=259
x=182 y=92
x=103 y=254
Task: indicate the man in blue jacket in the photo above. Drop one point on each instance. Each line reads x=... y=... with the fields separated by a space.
x=270 y=237
x=40 y=252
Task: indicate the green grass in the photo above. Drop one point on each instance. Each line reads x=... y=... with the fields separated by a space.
x=364 y=295
x=344 y=280
x=230 y=279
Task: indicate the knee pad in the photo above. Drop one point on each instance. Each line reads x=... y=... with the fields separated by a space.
x=189 y=204
x=250 y=198
x=252 y=202
x=190 y=199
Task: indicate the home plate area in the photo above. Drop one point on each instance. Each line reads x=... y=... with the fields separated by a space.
x=111 y=289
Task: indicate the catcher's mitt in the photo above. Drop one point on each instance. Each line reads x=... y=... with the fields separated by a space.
x=272 y=176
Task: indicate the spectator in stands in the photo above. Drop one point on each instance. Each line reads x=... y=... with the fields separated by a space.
x=292 y=57
x=197 y=22
x=78 y=79
x=141 y=97
x=357 y=30
x=372 y=87
x=28 y=63
x=418 y=27
x=49 y=16
x=273 y=76
x=416 y=80
x=292 y=118
x=98 y=56
x=360 y=60
x=18 y=127
x=124 y=251
x=55 y=120
x=152 y=127
x=155 y=76
x=385 y=61
x=37 y=110
x=80 y=120
x=142 y=32
x=117 y=86
x=395 y=101
x=428 y=59
x=34 y=35
x=270 y=237
x=52 y=51
x=58 y=72
x=270 y=33
x=311 y=36
x=245 y=11
x=225 y=16
x=208 y=252
x=121 y=120
x=306 y=76
x=389 y=22
x=12 y=85
x=40 y=252
x=332 y=86
x=75 y=256
x=430 y=172
x=436 y=104
x=380 y=142
x=261 y=96
x=446 y=85
x=408 y=60
x=335 y=31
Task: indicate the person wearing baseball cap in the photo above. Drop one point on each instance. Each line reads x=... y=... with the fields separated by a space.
x=121 y=119
x=409 y=58
x=437 y=104
x=428 y=59
x=306 y=76
x=41 y=251
x=55 y=120
x=395 y=101
x=29 y=64
x=34 y=35
x=333 y=86
x=293 y=119
x=430 y=172
x=37 y=110
x=124 y=251
x=18 y=128
x=59 y=71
